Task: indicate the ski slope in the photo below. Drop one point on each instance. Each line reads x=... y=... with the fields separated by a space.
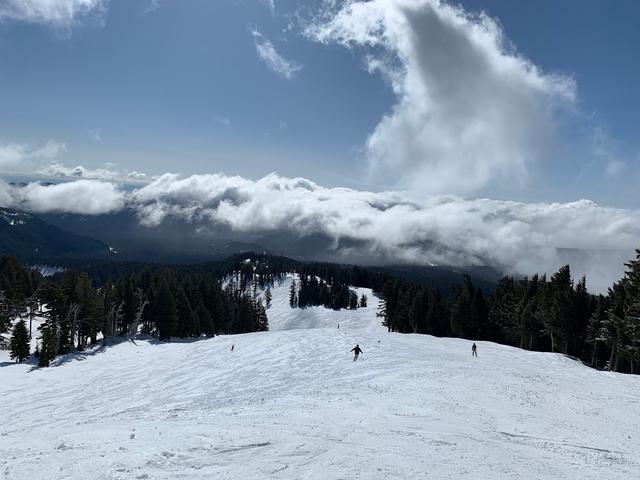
x=291 y=404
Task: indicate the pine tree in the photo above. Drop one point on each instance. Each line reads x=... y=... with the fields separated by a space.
x=363 y=301
x=462 y=317
x=382 y=313
x=596 y=332
x=19 y=345
x=630 y=350
x=129 y=308
x=204 y=319
x=503 y=320
x=165 y=312
x=353 y=300
x=5 y=321
x=47 y=345
x=187 y=322
x=268 y=297
x=559 y=312
x=613 y=327
x=293 y=299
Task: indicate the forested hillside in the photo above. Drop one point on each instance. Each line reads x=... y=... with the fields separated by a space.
x=557 y=314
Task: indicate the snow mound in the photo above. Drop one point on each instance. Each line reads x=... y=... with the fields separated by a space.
x=290 y=403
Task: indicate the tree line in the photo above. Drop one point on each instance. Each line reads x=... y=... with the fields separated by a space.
x=555 y=314
x=549 y=315
x=158 y=302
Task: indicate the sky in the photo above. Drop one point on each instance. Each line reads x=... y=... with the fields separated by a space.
x=499 y=110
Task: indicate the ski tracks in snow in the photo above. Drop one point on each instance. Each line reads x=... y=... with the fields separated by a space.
x=291 y=403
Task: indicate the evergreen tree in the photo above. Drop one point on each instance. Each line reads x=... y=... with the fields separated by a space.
x=187 y=323
x=462 y=315
x=353 y=300
x=559 y=314
x=613 y=327
x=293 y=299
x=5 y=321
x=129 y=308
x=630 y=350
x=382 y=313
x=503 y=319
x=596 y=331
x=268 y=297
x=165 y=313
x=363 y=301
x=47 y=345
x=19 y=345
x=204 y=319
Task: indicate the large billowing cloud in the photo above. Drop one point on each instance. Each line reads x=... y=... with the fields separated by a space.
x=54 y=13
x=90 y=197
x=387 y=227
x=470 y=110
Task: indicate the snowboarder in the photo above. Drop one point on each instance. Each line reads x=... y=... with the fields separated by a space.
x=232 y=347
x=357 y=351
x=474 y=350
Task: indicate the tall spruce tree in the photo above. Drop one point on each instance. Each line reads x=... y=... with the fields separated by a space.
x=47 y=345
x=631 y=348
x=293 y=299
x=19 y=344
x=268 y=297
x=165 y=312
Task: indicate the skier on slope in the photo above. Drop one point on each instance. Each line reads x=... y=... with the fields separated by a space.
x=474 y=350
x=357 y=351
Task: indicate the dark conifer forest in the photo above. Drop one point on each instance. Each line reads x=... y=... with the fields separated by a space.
x=555 y=314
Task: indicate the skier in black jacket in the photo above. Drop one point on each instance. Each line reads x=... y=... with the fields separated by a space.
x=357 y=351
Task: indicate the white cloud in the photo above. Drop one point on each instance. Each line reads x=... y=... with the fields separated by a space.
x=614 y=168
x=153 y=6
x=14 y=155
x=605 y=151
x=89 y=197
x=386 y=227
x=55 y=13
x=272 y=59
x=448 y=230
x=470 y=110
x=108 y=173
x=95 y=134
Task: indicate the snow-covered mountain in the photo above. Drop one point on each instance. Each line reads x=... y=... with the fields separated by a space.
x=290 y=403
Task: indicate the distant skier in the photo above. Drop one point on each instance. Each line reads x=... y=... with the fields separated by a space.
x=357 y=351
x=338 y=326
x=232 y=347
x=474 y=350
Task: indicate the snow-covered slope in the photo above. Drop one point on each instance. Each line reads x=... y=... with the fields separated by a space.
x=291 y=404
x=283 y=317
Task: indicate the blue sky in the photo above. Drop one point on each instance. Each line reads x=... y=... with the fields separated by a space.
x=466 y=133
x=181 y=88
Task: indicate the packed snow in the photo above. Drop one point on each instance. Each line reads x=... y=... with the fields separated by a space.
x=290 y=404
